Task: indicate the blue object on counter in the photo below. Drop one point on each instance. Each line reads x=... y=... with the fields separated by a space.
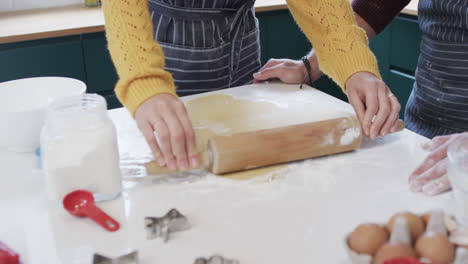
x=37 y=154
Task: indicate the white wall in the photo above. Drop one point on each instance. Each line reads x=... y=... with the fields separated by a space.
x=14 y=5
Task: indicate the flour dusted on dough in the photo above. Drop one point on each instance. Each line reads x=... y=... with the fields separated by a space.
x=221 y=114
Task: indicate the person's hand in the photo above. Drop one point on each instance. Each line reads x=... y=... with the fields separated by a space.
x=165 y=124
x=287 y=71
x=371 y=97
x=431 y=176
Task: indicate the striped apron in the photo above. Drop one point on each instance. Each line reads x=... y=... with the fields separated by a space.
x=208 y=44
x=438 y=104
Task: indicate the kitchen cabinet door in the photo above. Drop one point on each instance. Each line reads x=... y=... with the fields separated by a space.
x=112 y=101
x=281 y=37
x=405 y=42
x=380 y=46
x=48 y=57
x=100 y=71
x=402 y=85
x=263 y=21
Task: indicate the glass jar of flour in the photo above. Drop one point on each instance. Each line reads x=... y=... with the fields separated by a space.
x=79 y=148
x=458 y=175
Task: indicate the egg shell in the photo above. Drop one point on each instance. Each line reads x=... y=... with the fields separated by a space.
x=425 y=218
x=389 y=251
x=368 y=238
x=458 y=239
x=416 y=224
x=436 y=248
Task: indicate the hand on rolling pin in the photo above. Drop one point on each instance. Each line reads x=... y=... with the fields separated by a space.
x=431 y=176
x=165 y=124
x=368 y=95
x=375 y=105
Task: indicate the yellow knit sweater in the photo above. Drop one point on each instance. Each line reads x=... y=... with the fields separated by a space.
x=340 y=45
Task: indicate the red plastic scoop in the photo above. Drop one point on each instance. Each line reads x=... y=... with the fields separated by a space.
x=7 y=255
x=81 y=203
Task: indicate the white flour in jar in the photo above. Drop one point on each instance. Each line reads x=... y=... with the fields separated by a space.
x=83 y=163
x=79 y=151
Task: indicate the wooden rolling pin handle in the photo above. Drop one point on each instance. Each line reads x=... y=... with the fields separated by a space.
x=279 y=145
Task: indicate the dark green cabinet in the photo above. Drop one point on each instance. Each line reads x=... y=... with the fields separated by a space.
x=83 y=57
x=281 y=37
x=112 y=101
x=100 y=71
x=397 y=50
x=56 y=57
x=380 y=45
x=405 y=42
x=401 y=84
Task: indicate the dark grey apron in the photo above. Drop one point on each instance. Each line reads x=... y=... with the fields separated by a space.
x=438 y=104
x=208 y=44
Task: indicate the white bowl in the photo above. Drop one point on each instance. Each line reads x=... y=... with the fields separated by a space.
x=22 y=108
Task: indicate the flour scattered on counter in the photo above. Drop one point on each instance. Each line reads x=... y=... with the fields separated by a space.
x=349 y=136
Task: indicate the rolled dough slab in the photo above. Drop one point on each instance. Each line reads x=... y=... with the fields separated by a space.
x=222 y=114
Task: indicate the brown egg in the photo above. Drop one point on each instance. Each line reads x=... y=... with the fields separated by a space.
x=436 y=248
x=368 y=238
x=389 y=251
x=425 y=217
x=416 y=225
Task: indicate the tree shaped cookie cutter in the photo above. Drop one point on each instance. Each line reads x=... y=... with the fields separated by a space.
x=130 y=258
x=173 y=221
x=216 y=259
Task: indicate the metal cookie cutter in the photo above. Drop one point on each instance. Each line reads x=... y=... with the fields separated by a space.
x=216 y=259
x=131 y=258
x=173 y=221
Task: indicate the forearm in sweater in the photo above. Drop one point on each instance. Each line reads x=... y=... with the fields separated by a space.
x=341 y=46
x=139 y=60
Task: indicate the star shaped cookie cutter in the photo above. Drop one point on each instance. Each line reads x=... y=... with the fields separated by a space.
x=173 y=221
x=130 y=258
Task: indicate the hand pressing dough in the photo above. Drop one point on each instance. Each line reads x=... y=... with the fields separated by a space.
x=219 y=114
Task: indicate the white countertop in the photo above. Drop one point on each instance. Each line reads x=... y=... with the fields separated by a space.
x=300 y=217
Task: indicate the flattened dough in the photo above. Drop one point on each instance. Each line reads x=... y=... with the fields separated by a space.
x=220 y=114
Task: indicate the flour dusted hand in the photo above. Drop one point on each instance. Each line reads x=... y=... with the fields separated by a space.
x=165 y=124
x=431 y=176
x=371 y=97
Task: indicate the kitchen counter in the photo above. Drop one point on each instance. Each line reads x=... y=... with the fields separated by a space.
x=77 y=19
x=299 y=216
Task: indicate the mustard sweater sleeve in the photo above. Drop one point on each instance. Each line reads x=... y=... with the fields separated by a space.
x=139 y=60
x=341 y=46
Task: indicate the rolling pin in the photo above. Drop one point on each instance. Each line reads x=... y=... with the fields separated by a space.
x=249 y=150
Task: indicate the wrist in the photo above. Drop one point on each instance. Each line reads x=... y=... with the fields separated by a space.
x=308 y=69
x=316 y=73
